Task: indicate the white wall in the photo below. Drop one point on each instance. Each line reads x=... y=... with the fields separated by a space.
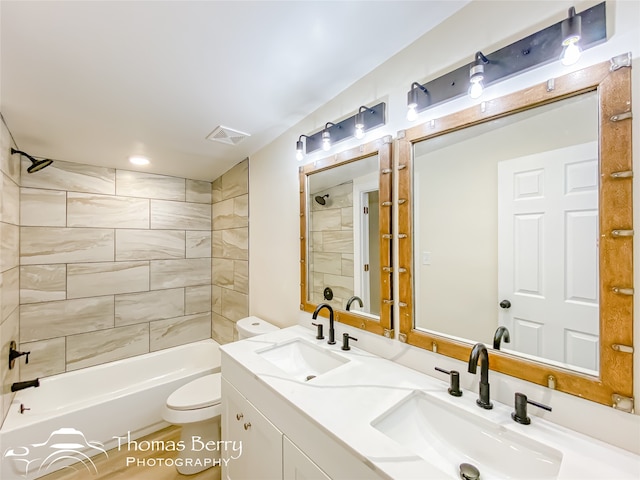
x=274 y=200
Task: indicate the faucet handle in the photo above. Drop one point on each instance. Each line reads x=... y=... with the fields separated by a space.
x=14 y=354
x=454 y=388
x=319 y=335
x=345 y=341
x=520 y=413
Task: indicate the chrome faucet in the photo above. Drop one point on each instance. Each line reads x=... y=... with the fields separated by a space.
x=352 y=299
x=502 y=334
x=479 y=350
x=332 y=333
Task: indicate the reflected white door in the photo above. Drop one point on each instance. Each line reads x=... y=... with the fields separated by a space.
x=548 y=254
x=364 y=283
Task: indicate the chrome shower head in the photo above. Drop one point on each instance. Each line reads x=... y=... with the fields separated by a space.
x=321 y=199
x=36 y=165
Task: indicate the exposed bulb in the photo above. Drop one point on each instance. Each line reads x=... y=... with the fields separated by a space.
x=359 y=133
x=326 y=140
x=570 y=54
x=475 y=89
x=299 y=147
x=412 y=113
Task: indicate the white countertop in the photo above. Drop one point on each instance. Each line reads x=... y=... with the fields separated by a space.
x=344 y=401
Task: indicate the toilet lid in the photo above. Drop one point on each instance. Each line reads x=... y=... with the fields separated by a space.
x=199 y=393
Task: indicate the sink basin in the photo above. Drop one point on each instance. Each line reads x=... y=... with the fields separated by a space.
x=448 y=436
x=302 y=360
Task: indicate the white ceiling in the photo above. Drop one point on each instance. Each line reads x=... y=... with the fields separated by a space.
x=96 y=81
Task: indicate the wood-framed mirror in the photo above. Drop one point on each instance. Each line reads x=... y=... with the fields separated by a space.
x=490 y=226
x=345 y=236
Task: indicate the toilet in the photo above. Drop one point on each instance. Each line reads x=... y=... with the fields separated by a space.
x=196 y=407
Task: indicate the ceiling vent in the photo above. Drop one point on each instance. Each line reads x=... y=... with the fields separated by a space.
x=227 y=135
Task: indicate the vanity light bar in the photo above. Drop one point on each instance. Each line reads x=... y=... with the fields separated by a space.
x=538 y=49
x=370 y=117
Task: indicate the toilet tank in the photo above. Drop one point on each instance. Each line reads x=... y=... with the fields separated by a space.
x=253 y=326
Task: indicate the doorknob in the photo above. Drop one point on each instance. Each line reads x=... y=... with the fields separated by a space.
x=505 y=304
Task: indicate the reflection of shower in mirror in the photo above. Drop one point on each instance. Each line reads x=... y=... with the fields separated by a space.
x=321 y=199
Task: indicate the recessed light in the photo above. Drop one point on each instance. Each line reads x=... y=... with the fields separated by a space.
x=139 y=160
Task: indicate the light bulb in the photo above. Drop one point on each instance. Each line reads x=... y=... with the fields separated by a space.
x=359 y=133
x=571 y=31
x=299 y=153
x=412 y=113
x=475 y=89
x=571 y=53
x=476 y=75
x=326 y=140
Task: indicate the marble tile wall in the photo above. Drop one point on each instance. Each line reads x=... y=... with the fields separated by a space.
x=230 y=251
x=331 y=238
x=9 y=265
x=111 y=264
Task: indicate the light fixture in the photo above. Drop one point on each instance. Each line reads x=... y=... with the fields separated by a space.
x=326 y=136
x=139 y=160
x=365 y=119
x=299 y=148
x=540 y=48
x=412 y=100
x=360 y=122
x=36 y=165
x=476 y=75
x=571 y=33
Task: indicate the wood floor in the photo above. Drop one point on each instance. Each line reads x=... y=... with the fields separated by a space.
x=115 y=466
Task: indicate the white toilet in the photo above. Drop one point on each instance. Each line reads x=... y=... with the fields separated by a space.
x=196 y=407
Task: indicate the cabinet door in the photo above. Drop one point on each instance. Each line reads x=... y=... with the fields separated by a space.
x=297 y=466
x=261 y=455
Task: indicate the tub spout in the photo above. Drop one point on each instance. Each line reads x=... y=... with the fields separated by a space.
x=22 y=385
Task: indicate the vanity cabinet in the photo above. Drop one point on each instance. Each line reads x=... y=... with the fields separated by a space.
x=266 y=453
x=261 y=441
x=298 y=465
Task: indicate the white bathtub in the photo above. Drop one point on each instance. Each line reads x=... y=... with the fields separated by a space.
x=104 y=402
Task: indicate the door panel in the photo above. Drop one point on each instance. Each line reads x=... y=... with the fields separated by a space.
x=548 y=254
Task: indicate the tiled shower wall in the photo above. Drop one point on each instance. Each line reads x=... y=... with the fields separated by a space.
x=113 y=264
x=230 y=251
x=331 y=230
x=9 y=270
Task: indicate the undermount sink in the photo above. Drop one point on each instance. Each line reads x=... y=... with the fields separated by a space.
x=448 y=436
x=302 y=360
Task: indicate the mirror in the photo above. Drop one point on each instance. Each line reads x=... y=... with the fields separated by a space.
x=345 y=224
x=519 y=229
x=515 y=237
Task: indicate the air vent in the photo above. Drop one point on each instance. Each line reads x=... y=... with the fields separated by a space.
x=227 y=135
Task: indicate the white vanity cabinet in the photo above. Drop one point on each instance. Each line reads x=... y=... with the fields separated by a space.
x=266 y=453
x=261 y=456
x=297 y=465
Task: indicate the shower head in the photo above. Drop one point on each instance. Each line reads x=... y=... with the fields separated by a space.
x=321 y=199
x=36 y=165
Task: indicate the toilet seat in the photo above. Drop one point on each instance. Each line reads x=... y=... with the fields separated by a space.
x=199 y=393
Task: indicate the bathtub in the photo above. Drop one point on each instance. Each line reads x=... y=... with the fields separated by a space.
x=96 y=405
